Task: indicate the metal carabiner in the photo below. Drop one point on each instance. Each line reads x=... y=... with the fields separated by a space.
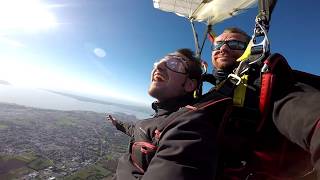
x=235 y=77
x=265 y=44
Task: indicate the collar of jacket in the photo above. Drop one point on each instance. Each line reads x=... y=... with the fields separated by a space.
x=166 y=107
x=220 y=75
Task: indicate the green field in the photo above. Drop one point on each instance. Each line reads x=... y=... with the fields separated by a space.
x=96 y=171
x=40 y=163
x=18 y=173
x=27 y=157
x=3 y=126
x=14 y=167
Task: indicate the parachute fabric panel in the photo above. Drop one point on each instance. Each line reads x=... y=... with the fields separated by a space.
x=183 y=8
x=210 y=11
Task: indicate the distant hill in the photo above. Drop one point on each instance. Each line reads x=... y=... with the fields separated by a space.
x=87 y=99
x=48 y=99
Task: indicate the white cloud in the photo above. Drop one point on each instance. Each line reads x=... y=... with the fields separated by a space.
x=99 y=52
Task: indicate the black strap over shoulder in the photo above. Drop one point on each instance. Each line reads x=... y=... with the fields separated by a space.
x=274 y=69
x=207 y=100
x=143 y=151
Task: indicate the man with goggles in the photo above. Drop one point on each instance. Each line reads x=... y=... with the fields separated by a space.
x=178 y=141
x=176 y=71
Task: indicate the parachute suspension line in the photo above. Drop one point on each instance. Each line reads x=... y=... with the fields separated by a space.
x=261 y=30
x=263 y=47
x=256 y=52
x=195 y=35
x=262 y=18
x=264 y=8
x=198 y=91
x=198 y=52
x=199 y=49
x=196 y=39
x=209 y=28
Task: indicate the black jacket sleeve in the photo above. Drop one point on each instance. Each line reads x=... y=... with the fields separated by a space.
x=297 y=114
x=125 y=127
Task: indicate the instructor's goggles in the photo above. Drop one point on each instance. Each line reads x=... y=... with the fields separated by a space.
x=232 y=44
x=174 y=63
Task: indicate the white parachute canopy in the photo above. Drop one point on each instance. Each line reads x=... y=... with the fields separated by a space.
x=210 y=11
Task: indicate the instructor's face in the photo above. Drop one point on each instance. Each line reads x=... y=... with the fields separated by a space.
x=225 y=57
x=168 y=78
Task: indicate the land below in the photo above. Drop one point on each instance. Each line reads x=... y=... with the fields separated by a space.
x=53 y=144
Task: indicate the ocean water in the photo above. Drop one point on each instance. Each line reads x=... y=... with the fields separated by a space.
x=47 y=100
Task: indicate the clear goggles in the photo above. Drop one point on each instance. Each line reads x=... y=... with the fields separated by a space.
x=174 y=63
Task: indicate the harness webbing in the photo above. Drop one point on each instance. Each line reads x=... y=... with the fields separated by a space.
x=236 y=87
x=240 y=92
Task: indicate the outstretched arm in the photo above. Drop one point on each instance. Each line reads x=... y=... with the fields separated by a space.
x=124 y=127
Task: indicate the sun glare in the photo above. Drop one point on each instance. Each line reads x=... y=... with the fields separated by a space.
x=29 y=15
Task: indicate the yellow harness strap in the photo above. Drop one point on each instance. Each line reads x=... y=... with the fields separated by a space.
x=240 y=92
x=246 y=53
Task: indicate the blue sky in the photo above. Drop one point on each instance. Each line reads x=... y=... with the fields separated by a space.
x=107 y=48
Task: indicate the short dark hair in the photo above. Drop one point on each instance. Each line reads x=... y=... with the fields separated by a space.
x=238 y=31
x=194 y=64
